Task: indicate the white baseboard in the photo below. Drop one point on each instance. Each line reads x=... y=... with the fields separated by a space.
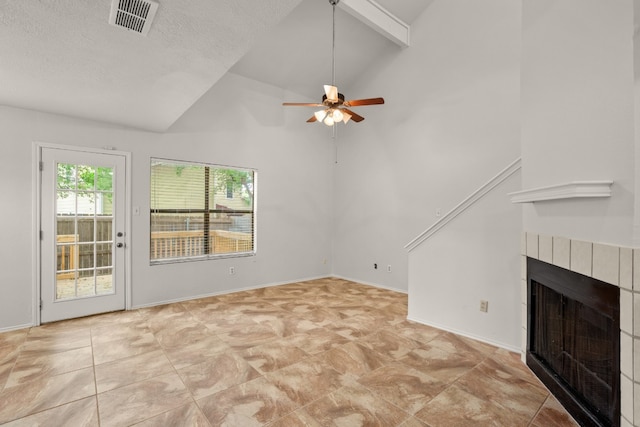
x=375 y=285
x=16 y=328
x=466 y=334
x=225 y=292
x=213 y=294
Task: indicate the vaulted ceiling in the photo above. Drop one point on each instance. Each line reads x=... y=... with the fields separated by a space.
x=62 y=56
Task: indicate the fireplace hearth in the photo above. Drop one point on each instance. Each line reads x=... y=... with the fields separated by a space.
x=573 y=341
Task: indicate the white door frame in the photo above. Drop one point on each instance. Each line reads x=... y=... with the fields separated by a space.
x=36 y=189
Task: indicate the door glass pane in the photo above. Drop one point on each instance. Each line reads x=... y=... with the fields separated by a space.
x=104 y=181
x=86 y=203
x=86 y=258
x=66 y=285
x=86 y=284
x=85 y=177
x=84 y=231
x=104 y=281
x=66 y=176
x=104 y=204
x=67 y=259
x=66 y=202
x=103 y=254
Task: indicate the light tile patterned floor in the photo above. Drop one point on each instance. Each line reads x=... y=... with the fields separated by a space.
x=320 y=353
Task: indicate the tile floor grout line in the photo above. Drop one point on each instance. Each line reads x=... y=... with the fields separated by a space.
x=538 y=412
x=409 y=414
x=13 y=366
x=175 y=371
x=95 y=378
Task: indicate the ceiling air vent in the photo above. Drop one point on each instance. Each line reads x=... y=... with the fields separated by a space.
x=134 y=15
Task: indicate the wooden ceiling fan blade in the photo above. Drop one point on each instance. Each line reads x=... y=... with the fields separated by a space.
x=361 y=102
x=301 y=104
x=331 y=92
x=312 y=119
x=355 y=117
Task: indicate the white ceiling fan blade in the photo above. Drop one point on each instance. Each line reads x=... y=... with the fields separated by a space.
x=331 y=92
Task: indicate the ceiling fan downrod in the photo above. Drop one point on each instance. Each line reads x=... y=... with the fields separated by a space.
x=333 y=43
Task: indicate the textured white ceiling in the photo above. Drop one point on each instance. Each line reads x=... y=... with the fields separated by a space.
x=62 y=56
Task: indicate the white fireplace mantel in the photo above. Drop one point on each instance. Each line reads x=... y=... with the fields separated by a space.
x=575 y=189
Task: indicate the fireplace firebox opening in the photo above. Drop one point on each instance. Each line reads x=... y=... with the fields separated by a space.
x=573 y=341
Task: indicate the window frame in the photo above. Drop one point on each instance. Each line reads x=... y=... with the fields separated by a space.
x=206 y=256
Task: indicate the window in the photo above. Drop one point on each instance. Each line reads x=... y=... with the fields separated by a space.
x=191 y=216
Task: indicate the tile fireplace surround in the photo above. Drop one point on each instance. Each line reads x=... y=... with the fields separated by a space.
x=619 y=266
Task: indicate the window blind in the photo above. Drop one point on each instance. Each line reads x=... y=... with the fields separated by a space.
x=192 y=215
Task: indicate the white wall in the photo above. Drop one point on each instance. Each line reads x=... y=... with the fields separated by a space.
x=249 y=129
x=578 y=115
x=636 y=117
x=474 y=258
x=450 y=123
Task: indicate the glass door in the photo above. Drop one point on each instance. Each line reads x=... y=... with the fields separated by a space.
x=83 y=239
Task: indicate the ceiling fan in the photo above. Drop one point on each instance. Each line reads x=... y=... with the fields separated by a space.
x=334 y=107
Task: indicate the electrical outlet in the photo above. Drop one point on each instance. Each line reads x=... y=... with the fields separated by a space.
x=484 y=306
x=389 y=268
x=375 y=266
x=232 y=270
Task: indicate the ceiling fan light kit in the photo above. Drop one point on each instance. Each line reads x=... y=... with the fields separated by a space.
x=334 y=107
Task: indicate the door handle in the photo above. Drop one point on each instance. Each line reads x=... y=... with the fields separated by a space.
x=119 y=245
x=120 y=234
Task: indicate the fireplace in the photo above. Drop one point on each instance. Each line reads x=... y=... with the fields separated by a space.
x=573 y=341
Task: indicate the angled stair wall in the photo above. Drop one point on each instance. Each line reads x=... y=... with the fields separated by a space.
x=468 y=256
